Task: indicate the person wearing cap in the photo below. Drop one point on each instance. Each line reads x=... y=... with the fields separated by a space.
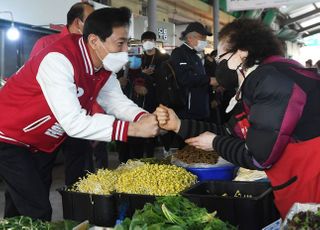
x=191 y=74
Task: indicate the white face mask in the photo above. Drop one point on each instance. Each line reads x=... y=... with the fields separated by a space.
x=148 y=45
x=201 y=45
x=115 y=61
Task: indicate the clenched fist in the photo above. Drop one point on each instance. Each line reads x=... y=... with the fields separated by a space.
x=147 y=126
x=167 y=119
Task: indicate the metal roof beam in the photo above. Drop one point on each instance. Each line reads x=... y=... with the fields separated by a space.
x=309 y=27
x=311 y=33
x=298 y=18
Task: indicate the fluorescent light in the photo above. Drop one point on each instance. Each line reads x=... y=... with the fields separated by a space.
x=13 y=33
x=301 y=11
x=312 y=20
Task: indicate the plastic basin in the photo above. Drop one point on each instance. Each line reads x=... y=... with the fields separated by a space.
x=216 y=173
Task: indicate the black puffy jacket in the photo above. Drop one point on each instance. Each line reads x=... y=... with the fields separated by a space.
x=281 y=102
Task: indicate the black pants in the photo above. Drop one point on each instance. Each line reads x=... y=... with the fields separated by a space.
x=101 y=155
x=123 y=151
x=78 y=159
x=141 y=147
x=28 y=177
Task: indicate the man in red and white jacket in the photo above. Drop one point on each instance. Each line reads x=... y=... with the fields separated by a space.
x=78 y=159
x=52 y=95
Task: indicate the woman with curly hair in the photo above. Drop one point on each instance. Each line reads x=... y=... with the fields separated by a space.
x=275 y=125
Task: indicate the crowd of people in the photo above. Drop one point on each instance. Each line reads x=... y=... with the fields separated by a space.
x=80 y=90
x=310 y=65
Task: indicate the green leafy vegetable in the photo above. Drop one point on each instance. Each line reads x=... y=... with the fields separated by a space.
x=173 y=213
x=27 y=223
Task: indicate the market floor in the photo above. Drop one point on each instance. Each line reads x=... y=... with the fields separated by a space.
x=57 y=182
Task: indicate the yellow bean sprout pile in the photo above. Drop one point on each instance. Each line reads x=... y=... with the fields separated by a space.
x=136 y=177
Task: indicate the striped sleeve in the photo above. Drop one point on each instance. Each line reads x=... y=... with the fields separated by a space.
x=234 y=150
x=138 y=116
x=120 y=130
x=192 y=128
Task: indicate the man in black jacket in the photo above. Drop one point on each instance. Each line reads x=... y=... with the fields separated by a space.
x=190 y=72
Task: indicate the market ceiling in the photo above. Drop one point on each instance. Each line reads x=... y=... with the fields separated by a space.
x=305 y=19
x=295 y=21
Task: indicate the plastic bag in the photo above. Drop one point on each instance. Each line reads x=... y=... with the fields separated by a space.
x=250 y=175
x=299 y=207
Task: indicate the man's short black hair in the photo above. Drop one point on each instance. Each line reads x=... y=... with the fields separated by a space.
x=148 y=35
x=102 y=21
x=76 y=11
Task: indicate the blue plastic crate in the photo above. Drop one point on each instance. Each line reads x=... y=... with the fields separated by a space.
x=216 y=173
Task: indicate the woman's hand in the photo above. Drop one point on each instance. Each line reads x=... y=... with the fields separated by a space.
x=167 y=119
x=203 y=141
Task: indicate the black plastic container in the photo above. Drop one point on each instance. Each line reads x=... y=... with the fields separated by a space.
x=98 y=209
x=127 y=204
x=248 y=213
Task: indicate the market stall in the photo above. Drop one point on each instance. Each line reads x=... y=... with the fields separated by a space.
x=149 y=192
x=158 y=194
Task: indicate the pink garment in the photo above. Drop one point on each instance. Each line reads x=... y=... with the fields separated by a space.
x=48 y=40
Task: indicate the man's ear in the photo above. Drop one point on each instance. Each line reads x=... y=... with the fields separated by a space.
x=79 y=22
x=93 y=41
x=189 y=39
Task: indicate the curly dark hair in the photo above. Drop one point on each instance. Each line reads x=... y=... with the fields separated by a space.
x=253 y=36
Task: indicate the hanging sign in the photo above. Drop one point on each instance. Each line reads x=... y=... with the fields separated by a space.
x=163 y=33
